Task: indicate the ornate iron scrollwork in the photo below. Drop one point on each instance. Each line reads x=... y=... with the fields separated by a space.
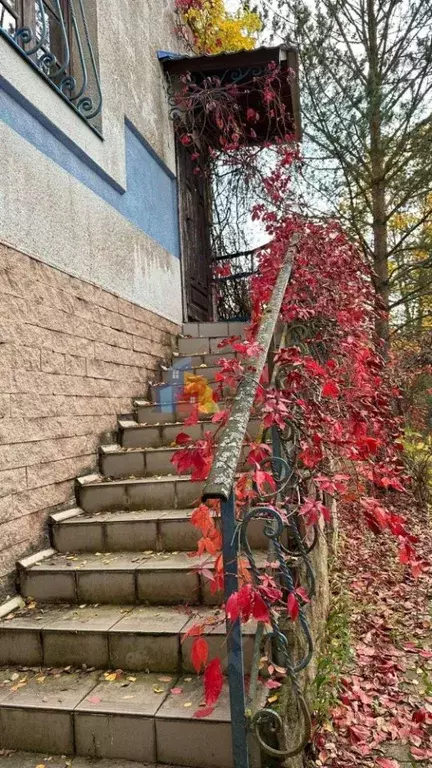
x=72 y=67
x=279 y=513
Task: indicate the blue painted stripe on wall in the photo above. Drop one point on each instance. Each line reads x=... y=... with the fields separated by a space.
x=150 y=198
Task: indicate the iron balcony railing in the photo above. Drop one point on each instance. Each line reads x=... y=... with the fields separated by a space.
x=231 y=283
x=247 y=715
x=55 y=40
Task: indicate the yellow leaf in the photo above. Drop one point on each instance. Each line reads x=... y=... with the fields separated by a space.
x=199 y=388
x=216 y=29
x=110 y=676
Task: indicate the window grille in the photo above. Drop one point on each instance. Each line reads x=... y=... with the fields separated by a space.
x=54 y=36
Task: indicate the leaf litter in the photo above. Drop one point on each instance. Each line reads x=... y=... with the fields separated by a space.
x=383 y=714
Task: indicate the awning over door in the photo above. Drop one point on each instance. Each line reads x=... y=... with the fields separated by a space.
x=245 y=69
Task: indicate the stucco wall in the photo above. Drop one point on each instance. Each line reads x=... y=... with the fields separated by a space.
x=71 y=358
x=69 y=197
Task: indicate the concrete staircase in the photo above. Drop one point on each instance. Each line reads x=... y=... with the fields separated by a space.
x=95 y=665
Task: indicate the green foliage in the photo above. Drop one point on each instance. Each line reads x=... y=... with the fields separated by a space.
x=334 y=659
x=365 y=82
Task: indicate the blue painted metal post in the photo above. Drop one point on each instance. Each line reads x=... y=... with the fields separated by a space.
x=234 y=639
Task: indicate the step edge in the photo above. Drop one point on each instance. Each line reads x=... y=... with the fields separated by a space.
x=57 y=517
x=103 y=483
x=11 y=605
x=147 y=514
x=120 y=450
x=43 y=554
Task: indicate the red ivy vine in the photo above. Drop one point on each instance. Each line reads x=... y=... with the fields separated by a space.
x=336 y=392
x=341 y=408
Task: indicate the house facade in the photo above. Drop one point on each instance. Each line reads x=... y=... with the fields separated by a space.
x=91 y=289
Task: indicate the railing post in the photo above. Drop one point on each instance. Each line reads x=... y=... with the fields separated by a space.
x=234 y=638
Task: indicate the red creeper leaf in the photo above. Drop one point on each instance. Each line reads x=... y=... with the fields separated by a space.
x=293 y=606
x=199 y=653
x=183 y=438
x=213 y=681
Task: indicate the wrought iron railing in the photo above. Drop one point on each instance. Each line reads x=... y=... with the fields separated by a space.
x=231 y=282
x=287 y=543
x=55 y=39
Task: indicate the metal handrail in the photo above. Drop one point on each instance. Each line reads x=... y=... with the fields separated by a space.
x=220 y=485
x=221 y=478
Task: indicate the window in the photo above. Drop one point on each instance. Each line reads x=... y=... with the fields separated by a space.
x=55 y=36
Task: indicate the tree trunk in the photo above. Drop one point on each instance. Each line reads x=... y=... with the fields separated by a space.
x=381 y=267
x=378 y=187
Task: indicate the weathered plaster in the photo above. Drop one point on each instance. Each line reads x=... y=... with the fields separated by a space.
x=51 y=212
x=47 y=213
x=128 y=37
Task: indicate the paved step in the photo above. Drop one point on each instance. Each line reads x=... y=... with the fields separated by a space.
x=116 y=461
x=211 y=330
x=206 y=371
x=95 y=494
x=159 y=530
x=203 y=346
x=113 y=637
x=222 y=392
x=149 y=413
x=214 y=631
x=163 y=578
x=135 y=435
x=152 y=578
x=31 y=759
x=133 y=717
x=195 y=361
x=166 y=530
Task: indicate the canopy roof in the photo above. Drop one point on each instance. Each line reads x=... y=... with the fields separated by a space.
x=241 y=68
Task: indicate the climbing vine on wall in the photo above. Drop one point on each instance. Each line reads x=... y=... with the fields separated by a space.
x=334 y=397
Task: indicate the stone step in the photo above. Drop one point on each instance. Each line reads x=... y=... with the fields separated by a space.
x=222 y=329
x=158 y=530
x=95 y=494
x=135 y=435
x=114 y=637
x=195 y=361
x=155 y=389
x=153 y=578
x=136 y=531
x=162 y=578
x=115 y=461
x=151 y=413
x=206 y=371
x=89 y=714
x=31 y=759
x=203 y=346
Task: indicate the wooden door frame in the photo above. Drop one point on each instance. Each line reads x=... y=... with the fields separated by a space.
x=181 y=208
x=181 y=234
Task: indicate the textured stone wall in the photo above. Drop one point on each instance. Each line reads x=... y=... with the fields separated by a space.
x=71 y=358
